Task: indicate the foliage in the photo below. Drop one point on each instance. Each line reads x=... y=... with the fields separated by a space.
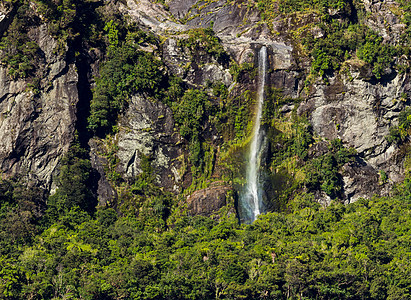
x=203 y=40
x=71 y=21
x=233 y=116
x=377 y=54
x=341 y=43
x=18 y=51
x=346 y=252
x=288 y=6
x=68 y=21
x=190 y=114
x=323 y=173
x=127 y=71
x=74 y=184
x=399 y=134
x=20 y=212
x=343 y=35
x=237 y=71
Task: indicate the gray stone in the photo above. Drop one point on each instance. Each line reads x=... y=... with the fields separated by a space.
x=36 y=130
x=360 y=182
x=106 y=194
x=360 y=114
x=147 y=128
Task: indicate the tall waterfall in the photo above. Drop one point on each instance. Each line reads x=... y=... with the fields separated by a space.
x=250 y=205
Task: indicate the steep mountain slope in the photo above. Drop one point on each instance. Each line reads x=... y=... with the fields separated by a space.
x=341 y=67
x=125 y=129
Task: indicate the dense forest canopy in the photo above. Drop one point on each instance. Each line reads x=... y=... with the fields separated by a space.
x=146 y=244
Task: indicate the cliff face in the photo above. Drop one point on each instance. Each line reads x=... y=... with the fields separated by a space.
x=38 y=125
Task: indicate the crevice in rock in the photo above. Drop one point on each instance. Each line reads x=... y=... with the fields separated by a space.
x=5 y=23
x=131 y=161
x=82 y=63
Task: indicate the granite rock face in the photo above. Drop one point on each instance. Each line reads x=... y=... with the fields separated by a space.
x=384 y=20
x=36 y=129
x=360 y=113
x=147 y=128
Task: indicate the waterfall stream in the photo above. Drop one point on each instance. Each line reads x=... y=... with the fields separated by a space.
x=250 y=205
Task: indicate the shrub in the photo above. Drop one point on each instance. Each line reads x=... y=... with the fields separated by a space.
x=127 y=71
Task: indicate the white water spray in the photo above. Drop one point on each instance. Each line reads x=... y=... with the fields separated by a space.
x=251 y=198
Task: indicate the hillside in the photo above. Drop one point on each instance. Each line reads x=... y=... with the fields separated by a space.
x=125 y=131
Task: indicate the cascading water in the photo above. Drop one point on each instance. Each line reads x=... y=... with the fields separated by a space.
x=250 y=204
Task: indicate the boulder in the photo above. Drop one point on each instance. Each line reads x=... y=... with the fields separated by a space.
x=208 y=201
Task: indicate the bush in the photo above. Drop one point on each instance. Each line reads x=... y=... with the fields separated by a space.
x=18 y=52
x=323 y=172
x=203 y=40
x=127 y=71
x=399 y=134
x=74 y=184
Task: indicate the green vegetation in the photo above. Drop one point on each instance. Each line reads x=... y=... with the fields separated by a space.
x=74 y=185
x=203 y=41
x=128 y=70
x=288 y=6
x=345 y=252
x=322 y=172
x=347 y=41
x=146 y=245
x=342 y=35
x=68 y=21
x=17 y=50
x=398 y=134
x=237 y=71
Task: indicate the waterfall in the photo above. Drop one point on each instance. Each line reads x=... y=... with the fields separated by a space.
x=250 y=205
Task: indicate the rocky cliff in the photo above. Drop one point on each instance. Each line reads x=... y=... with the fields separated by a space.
x=38 y=121
x=37 y=124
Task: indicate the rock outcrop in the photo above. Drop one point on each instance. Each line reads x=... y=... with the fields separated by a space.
x=207 y=201
x=360 y=113
x=36 y=128
x=147 y=128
